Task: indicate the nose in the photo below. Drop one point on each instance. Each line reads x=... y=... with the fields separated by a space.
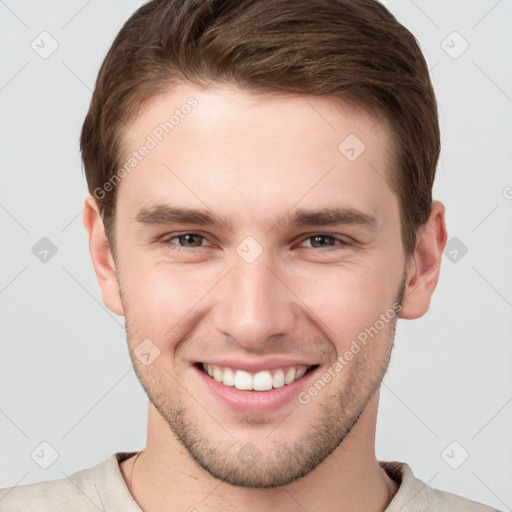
x=253 y=303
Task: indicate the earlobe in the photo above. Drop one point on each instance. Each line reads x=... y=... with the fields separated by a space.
x=424 y=264
x=101 y=255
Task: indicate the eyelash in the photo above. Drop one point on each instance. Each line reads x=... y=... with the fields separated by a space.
x=342 y=243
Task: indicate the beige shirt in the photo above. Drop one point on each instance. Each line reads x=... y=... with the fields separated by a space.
x=102 y=488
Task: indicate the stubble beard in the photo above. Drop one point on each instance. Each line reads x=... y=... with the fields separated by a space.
x=241 y=463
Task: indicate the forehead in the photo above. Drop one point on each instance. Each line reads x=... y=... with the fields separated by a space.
x=222 y=148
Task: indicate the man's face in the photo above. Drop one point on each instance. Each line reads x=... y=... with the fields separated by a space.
x=262 y=295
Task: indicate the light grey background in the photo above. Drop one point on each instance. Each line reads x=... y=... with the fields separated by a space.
x=65 y=374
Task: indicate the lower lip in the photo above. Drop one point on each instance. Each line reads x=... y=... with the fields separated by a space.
x=255 y=402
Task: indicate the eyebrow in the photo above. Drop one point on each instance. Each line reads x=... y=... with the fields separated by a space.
x=330 y=216
x=161 y=214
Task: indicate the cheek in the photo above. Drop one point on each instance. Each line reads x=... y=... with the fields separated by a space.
x=346 y=299
x=162 y=299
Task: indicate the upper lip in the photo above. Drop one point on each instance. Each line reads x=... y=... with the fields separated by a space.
x=253 y=366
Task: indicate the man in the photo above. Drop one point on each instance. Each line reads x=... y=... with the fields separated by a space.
x=261 y=213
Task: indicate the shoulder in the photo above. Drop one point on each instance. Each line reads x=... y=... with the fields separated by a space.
x=77 y=492
x=415 y=495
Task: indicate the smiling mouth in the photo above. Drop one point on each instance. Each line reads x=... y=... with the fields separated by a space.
x=259 y=381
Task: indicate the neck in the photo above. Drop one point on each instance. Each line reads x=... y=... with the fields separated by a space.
x=349 y=479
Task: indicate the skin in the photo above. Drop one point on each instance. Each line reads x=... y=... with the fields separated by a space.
x=252 y=159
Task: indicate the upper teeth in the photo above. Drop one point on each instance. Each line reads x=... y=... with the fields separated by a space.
x=260 y=381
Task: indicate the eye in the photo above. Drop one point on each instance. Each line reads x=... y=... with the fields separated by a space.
x=190 y=241
x=321 y=239
x=185 y=241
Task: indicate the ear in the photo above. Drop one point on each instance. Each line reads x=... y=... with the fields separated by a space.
x=101 y=256
x=424 y=264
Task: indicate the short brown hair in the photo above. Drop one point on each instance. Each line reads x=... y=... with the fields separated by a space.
x=351 y=50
